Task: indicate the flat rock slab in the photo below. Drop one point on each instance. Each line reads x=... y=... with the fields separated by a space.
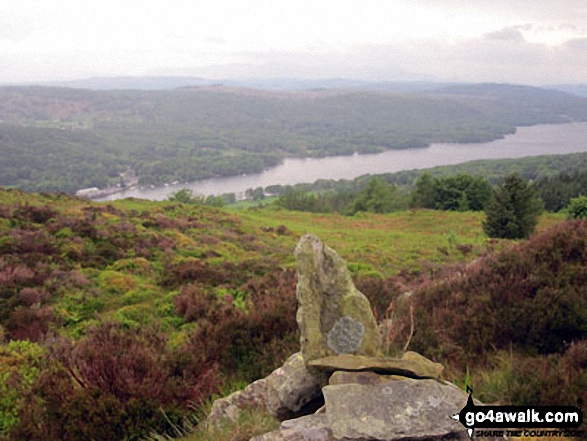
x=410 y=365
x=363 y=377
x=396 y=410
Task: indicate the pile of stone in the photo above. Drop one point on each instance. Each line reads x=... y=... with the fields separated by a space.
x=340 y=386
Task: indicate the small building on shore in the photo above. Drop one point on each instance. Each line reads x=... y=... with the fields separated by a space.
x=87 y=192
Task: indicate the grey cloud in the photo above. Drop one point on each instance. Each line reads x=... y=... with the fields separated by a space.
x=474 y=60
x=566 y=11
x=508 y=33
x=216 y=40
x=568 y=27
x=577 y=44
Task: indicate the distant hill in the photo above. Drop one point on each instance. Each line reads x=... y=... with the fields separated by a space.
x=174 y=82
x=64 y=139
x=163 y=82
x=575 y=89
x=132 y=83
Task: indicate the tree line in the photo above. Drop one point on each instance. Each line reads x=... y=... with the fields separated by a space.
x=512 y=207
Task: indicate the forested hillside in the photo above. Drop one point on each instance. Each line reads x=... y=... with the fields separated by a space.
x=66 y=139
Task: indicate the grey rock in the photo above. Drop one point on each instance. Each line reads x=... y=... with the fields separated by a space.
x=229 y=408
x=308 y=428
x=395 y=410
x=333 y=316
x=288 y=392
x=292 y=390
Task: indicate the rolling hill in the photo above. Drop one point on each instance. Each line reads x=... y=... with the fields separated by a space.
x=62 y=139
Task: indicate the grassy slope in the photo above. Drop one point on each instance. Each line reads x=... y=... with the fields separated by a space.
x=388 y=243
x=371 y=243
x=136 y=281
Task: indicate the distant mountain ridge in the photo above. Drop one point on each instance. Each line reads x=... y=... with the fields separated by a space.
x=162 y=82
x=175 y=82
x=575 y=89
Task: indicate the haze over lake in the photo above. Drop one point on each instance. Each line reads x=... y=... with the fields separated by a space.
x=538 y=140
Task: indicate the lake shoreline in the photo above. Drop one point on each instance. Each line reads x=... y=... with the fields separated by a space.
x=537 y=140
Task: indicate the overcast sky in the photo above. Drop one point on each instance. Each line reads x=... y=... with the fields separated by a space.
x=521 y=41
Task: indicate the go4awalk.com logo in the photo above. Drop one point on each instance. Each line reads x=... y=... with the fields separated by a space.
x=510 y=421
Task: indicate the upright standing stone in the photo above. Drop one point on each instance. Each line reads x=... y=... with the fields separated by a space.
x=333 y=316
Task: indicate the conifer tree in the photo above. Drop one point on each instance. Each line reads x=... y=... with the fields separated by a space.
x=513 y=210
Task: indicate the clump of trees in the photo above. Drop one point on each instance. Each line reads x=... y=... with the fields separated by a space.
x=377 y=197
x=557 y=191
x=187 y=196
x=458 y=193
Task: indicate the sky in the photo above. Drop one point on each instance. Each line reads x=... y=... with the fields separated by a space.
x=535 y=42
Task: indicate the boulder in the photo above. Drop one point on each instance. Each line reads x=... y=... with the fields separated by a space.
x=229 y=408
x=307 y=428
x=394 y=410
x=334 y=317
x=411 y=365
x=292 y=390
x=288 y=392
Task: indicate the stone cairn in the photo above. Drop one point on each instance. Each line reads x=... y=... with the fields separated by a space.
x=340 y=386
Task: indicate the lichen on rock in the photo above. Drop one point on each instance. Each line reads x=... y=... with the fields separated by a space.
x=346 y=336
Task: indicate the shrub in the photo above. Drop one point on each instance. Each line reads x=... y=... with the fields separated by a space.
x=37 y=214
x=21 y=364
x=113 y=384
x=530 y=296
x=577 y=208
x=30 y=323
x=530 y=380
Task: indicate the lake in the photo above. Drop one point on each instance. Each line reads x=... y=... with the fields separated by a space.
x=547 y=139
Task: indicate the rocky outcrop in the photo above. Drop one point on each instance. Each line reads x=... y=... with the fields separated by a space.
x=334 y=317
x=340 y=387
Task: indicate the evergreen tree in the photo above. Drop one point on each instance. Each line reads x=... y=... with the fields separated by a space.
x=424 y=195
x=513 y=210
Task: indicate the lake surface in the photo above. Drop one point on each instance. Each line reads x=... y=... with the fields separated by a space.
x=547 y=139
